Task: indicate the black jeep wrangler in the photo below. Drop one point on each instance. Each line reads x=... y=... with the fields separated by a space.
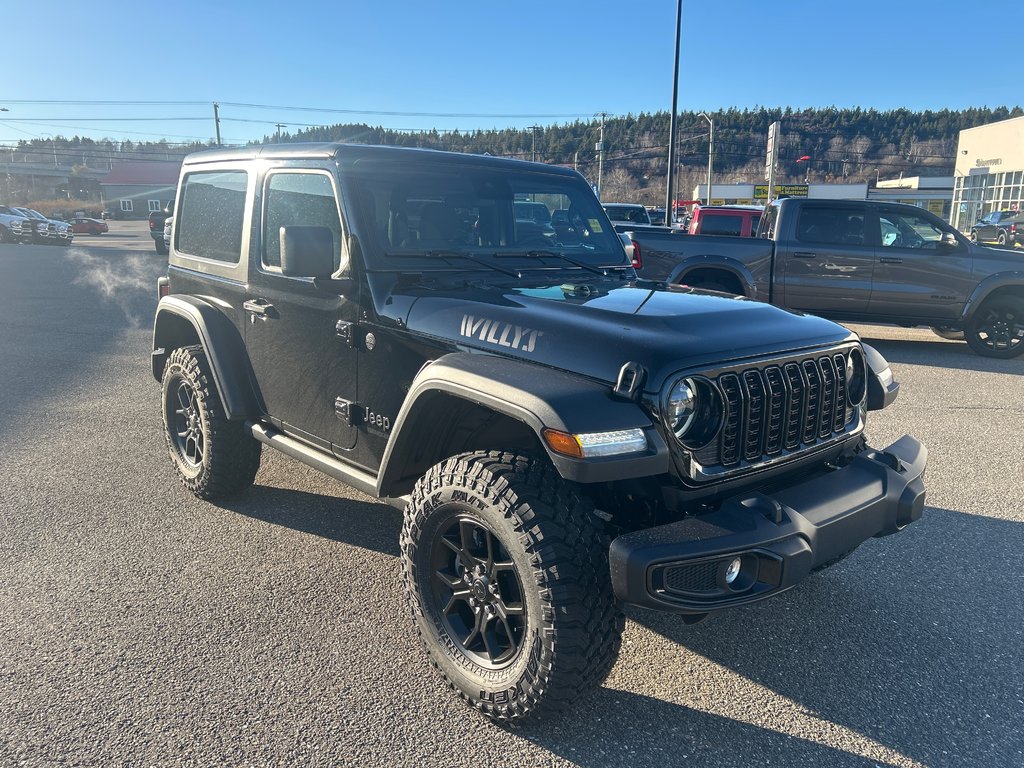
x=563 y=438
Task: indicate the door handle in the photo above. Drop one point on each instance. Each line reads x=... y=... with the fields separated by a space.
x=890 y=260
x=260 y=308
x=804 y=255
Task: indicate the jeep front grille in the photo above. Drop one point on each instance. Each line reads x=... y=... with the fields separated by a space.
x=777 y=408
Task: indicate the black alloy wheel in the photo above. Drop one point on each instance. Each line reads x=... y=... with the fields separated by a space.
x=188 y=424
x=213 y=456
x=477 y=593
x=997 y=328
x=507 y=579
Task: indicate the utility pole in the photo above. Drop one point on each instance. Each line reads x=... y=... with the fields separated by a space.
x=216 y=120
x=279 y=126
x=670 y=199
x=600 y=153
x=711 y=151
x=533 y=155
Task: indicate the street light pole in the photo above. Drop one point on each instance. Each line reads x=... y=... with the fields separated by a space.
x=670 y=207
x=533 y=151
x=711 y=152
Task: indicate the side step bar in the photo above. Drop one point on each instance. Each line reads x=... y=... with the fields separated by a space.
x=358 y=479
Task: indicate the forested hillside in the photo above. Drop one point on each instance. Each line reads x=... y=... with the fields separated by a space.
x=854 y=144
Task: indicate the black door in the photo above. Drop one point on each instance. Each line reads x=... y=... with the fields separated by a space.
x=302 y=363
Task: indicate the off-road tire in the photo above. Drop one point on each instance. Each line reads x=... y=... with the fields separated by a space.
x=5 y=236
x=995 y=328
x=221 y=458
x=1001 y=240
x=572 y=628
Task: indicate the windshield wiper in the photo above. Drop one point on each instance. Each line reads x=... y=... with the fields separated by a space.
x=581 y=264
x=446 y=254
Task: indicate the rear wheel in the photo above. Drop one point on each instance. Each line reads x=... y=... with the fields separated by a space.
x=214 y=457
x=974 y=236
x=506 y=572
x=997 y=328
x=1001 y=239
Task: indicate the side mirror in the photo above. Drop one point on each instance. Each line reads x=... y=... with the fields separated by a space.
x=307 y=252
x=948 y=241
x=882 y=386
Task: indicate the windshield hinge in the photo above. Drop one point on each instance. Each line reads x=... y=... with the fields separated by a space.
x=631 y=379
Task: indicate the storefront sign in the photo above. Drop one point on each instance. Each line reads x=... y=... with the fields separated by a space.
x=781 y=190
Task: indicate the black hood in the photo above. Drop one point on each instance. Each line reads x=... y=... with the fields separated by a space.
x=594 y=329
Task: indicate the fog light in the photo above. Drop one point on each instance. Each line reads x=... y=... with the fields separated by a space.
x=733 y=570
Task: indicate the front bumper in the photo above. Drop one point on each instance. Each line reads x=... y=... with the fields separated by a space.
x=778 y=538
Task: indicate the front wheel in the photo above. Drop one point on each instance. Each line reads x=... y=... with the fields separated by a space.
x=506 y=572
x=214 y=457
x=974 y=236
x=997 y=328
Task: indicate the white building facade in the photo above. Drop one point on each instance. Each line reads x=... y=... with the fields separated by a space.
x=989 y=173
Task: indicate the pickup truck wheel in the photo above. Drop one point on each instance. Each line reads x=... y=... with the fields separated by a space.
x=997 y=328
x=974 y=236
x=5 y=236
x=952 y=334
x=1001 y=239
x=214 y=457
x=161 y=249
x=506 y=573
x=713 y=286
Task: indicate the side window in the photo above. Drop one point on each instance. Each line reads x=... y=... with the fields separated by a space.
x=154 y=206
x=830 y=226
x=721 y=224
x=212 y=211
x=126 y=206
x=303 y=199
x=907 y=230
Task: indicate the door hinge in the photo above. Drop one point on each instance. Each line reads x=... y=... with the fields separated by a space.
x=347 y=411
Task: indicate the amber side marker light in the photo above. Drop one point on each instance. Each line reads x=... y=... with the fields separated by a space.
x=593 y=444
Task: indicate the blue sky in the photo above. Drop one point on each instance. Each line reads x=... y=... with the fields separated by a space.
x=490 y=64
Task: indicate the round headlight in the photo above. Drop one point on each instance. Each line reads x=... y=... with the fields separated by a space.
x=681 y=406
x=856 y=377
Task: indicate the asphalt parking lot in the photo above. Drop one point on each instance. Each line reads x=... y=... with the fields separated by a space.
x=140 y=626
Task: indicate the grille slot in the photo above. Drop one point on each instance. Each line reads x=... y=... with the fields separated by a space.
x=778 y=408
x=702 y=577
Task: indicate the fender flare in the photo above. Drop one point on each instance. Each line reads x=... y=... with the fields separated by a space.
x=539 y=398
x=736 y=268
x=222 y=343
x=987 y=286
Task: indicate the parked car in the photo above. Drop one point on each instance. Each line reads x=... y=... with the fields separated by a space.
x=732 y=220
x=1000 y=227
x=156 y=227
x=856 y=261
x=561 y=438
x=86 y=226
x=14 y=228
x=46 y=230
x=631 y=213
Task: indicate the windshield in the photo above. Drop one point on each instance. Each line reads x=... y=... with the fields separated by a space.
x=417 y=207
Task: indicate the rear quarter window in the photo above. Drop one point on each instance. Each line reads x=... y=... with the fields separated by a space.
x=211 y=217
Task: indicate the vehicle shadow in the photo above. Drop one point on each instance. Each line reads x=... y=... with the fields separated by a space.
x=915 y=647
x=940 y=354
x=369 y=525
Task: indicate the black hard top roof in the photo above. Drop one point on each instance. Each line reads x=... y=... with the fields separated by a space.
x=341 y=150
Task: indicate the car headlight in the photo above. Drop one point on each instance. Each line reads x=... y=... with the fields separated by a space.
x=856 y=377
x=693 y=410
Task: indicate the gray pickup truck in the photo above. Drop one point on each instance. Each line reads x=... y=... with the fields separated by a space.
x=855 y=261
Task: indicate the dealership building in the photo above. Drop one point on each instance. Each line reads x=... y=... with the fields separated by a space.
x=989 y=172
